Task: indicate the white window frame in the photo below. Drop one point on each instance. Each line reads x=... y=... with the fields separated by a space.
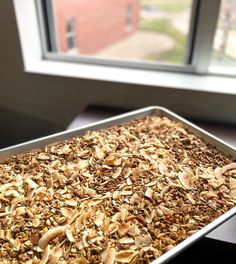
x=171 y=76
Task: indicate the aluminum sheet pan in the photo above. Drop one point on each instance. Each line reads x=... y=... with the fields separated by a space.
x=120 y=119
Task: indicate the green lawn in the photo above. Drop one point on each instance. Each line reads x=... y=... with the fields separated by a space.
x=168 y=5
x=175 y=55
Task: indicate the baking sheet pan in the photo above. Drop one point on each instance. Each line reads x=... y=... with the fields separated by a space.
x=120 y=119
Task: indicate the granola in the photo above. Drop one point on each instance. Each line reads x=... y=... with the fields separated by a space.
x=126 y=194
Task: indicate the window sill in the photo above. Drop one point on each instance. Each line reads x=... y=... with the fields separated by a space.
x=206 y=83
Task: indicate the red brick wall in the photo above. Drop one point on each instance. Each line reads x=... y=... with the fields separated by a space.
x=98 y=22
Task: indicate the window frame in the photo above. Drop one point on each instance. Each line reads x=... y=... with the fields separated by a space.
x=198 y=47
x=33 y=46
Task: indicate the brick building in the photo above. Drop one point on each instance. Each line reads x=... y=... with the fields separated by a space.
x=87 y=26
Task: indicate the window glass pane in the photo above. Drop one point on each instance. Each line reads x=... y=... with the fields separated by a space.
x=153 y=31
x=224 y=49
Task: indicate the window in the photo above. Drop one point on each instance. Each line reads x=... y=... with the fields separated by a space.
x=224 y=47
x=184 y=36
x=145 y=32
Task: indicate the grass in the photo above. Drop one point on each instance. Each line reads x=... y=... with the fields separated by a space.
x=168 y=5
x=175 y=55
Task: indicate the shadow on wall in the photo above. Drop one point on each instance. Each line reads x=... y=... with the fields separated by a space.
x=17 y=128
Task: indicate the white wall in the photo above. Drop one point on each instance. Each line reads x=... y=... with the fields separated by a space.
x=60 y=99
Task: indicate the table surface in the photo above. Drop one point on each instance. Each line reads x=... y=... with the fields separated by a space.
x=225 y=233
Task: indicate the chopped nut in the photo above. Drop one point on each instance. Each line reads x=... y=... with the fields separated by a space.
x=167 y=248
x=125 y=256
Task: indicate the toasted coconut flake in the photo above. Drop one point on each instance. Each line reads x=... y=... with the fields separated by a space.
x=159 y=212
x=96 y=202
x=117 y=173
x=116 y=217
x=186 y=179
x=113 y=160
x=2 y=234
x=88 y=191
x=232 y=182
x=164 y=191
x=82 y=153
x=51 y=234
x=126 y=193
x=12 y=193
x=71 y=202
x=165 y=210
x=135 y=199
x=5 y=214
x=69 y=234
x=231 y=166
x=129 y=182
x=126 y=240
x=152 y=183
x=123 y=213
x=99 y=153
x=84 y=240
x=113 y=227
x=99 y=219
x=20 y=211
x=127 y=172
x=6 y=186
x=143 y=241
x=36 y=222
x=125 y=256
x=59 y=177
x=233 y=193
x=148 y=193
x=82 y=164
x=162 y=168
x=42 y=156
x=31 y=184
x=190 y=197
x=123 y=229
x=116 y=194
x=46 y=255
x=56 y=254
x=108 y=256
x=133 y=230
x=67 y=212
